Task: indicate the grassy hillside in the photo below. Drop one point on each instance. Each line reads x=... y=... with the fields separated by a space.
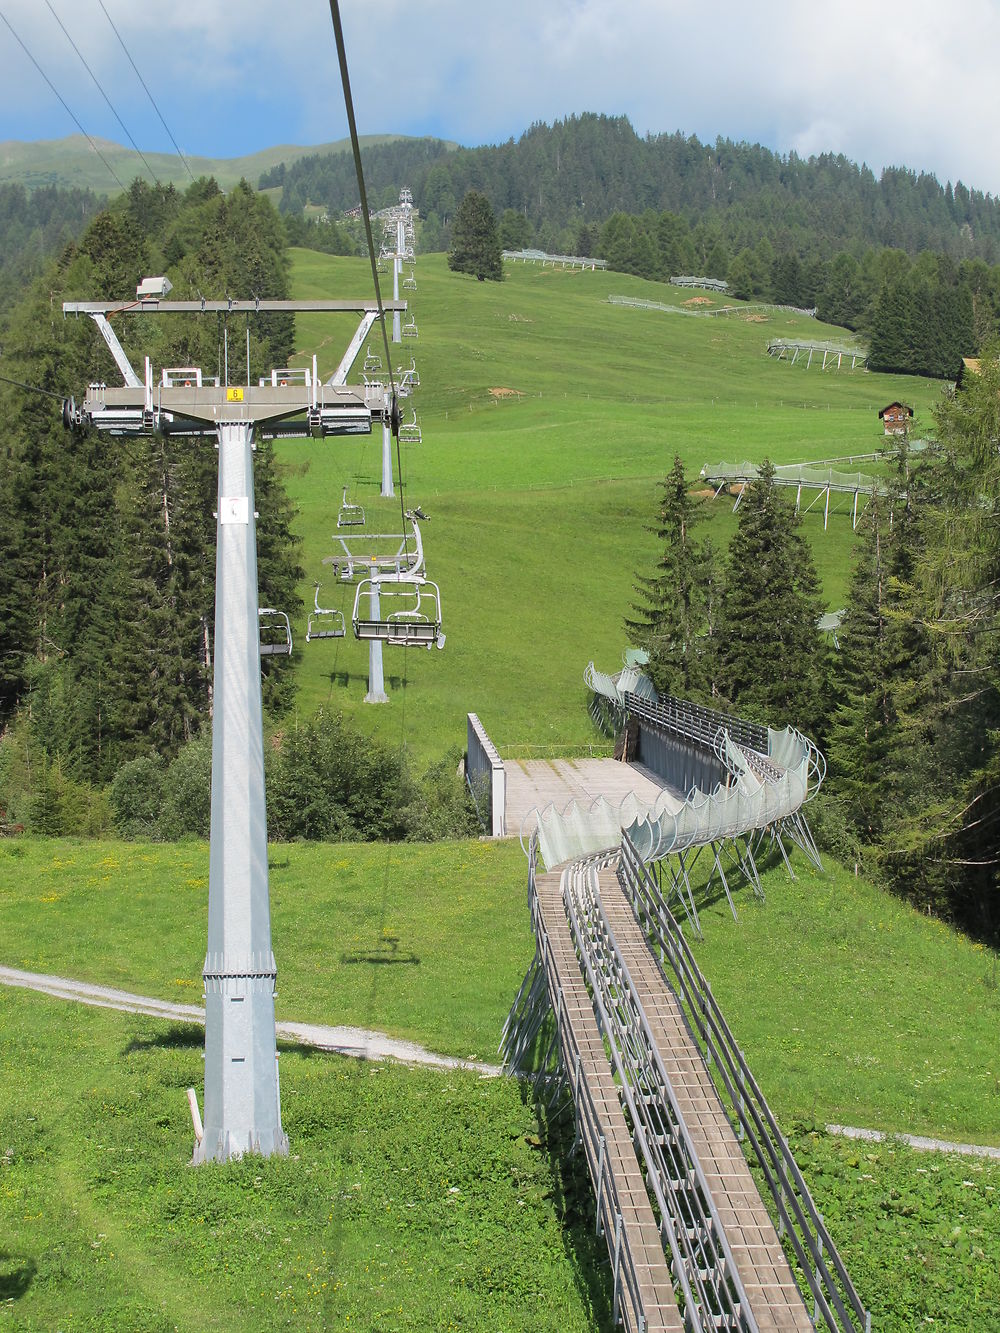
x=72 y=161
x=548 y=419
x=429 y=1200
x=425 y=1200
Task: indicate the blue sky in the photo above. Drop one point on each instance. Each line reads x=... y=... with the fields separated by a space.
x=884 y=82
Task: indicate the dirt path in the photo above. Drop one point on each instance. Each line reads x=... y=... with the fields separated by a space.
x=358 y=1042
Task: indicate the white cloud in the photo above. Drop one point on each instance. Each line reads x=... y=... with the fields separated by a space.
x=886 y=83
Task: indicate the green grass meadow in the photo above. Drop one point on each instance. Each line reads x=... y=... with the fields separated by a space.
x=422 y=1199
x=539 y=498
x=418 y=1199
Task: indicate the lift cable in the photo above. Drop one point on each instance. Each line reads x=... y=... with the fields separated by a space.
x=101 y=91
x=33 y=388
x=146 y=90
x=349 y=104
x=63 y=101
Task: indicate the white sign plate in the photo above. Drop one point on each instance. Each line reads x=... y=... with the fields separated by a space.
x=234 y=509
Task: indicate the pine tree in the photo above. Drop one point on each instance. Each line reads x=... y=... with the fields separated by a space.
x=771 y=657
x=671 y=617
x=475 y=241
x=864 y=727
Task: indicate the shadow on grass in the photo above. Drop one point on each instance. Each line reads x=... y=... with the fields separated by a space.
x=573 y=1197
x=16 y=1276
x=182 y=1036
x=386 y=951
x=344 y=680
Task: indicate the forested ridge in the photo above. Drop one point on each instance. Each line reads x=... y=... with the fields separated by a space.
x=33 y=226
x=908 y=262
x=583 y=169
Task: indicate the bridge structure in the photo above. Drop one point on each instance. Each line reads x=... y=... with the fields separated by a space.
x=833 y=353
x=555 y=261
x=829 y=486
x=708 y=1220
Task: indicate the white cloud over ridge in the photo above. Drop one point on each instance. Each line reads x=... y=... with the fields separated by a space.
x=887 y=83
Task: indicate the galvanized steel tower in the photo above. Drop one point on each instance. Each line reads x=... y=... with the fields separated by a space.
x=242 y=1101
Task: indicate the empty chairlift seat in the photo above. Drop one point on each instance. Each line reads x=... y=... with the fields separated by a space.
x=275 y=632
x=409 y=432
x=409 y=329
x=325 y=622
x=402 y=612
x=372 y=361
x=351 y=515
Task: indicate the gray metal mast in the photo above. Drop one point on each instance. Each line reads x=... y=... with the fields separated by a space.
x=376 y=680
x=397 y=264
x=242 y=1102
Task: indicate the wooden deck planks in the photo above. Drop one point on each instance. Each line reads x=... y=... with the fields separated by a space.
x=645 y=1245
x=775 y=1299
x=535 y=783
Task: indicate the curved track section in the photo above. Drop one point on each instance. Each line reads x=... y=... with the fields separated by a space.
x=672 y=1124
x=724 y=780
x=679 y=1140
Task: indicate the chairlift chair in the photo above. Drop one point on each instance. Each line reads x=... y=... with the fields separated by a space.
x=409 y=329
x=409 y=612
x=409 y=432
x=325 y=622
x=275 y=632
x=351 y=515
x=410 y=282
x=372 y=360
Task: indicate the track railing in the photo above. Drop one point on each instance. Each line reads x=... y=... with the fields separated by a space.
x=627 y=1295
x=486 y=777
x=703 y=1264
x=696 y=723
x=835 y=1300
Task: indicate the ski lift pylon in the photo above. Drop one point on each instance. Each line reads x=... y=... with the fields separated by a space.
x=325 y=622
x=275 y=632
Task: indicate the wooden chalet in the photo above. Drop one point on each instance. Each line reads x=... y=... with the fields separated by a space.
x=895 y=418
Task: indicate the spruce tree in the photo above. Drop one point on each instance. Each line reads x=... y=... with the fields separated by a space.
x=671 y=616
x=475 y=240
x=771 y=658
x=864 y=730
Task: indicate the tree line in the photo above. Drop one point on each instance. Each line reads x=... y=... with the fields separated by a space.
x=908 y=710
x=107 y=546
x=581 y=170
x=34 y=225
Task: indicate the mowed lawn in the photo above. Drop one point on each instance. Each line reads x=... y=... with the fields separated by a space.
x=549 y=417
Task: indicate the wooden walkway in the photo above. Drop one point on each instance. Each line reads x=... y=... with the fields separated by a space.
x=570 y=1000
x=774 y=1297
x=532 y=784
